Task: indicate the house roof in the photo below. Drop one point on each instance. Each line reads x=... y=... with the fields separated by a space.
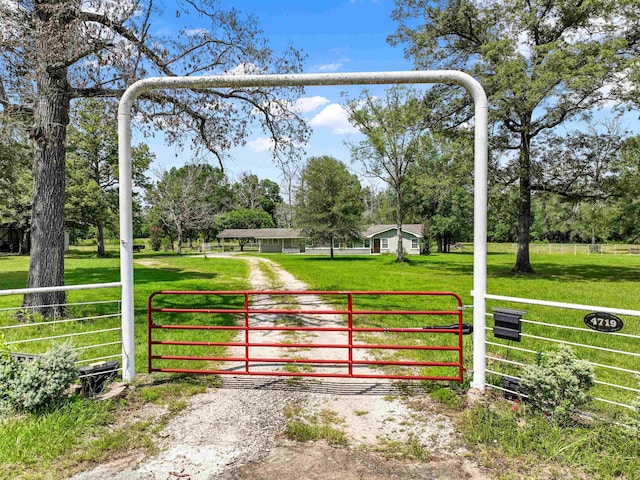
x=259 y=233
x=414 y=229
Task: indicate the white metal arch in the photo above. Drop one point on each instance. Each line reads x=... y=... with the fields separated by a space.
x=364 y=78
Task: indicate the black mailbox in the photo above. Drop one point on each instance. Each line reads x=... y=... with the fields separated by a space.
x=507 y=323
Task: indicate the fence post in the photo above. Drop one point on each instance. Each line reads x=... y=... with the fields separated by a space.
x=246 y=332
x=350 y=321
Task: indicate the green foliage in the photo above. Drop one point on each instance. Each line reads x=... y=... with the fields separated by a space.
x=541 y=63
x=155 y=238
x=328 y=203
x=528 y=445
x=245 y=218
x=557 y=385
x=188 y=199
x=305 y=427
x=16 y=179
x=438 y=191
x=396 y=137
x=447 y=396
x=252 y=193
x=34 y=445
x=92 y=167
x=37 y=384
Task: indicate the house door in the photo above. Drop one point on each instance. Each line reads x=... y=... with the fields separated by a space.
x=376 y=245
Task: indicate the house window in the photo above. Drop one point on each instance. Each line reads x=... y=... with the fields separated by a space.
x=336 y=243
x=367 y=243
x=384 y=243
x=414 y=243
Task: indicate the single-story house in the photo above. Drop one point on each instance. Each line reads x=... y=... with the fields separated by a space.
x=375 y=239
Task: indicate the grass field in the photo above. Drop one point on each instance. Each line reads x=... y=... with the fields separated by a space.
x=151 y=274
x=604 y=280
x=600 y=280
x=58 y=442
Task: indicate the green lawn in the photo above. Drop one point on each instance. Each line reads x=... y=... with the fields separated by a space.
x=151 y=274
x=606 y=280
x=601 y=280
x=49 y=450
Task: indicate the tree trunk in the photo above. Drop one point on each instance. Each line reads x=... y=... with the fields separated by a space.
x=331 y=248
x=51 y=117
x=400 y=257
x=523 y=264
x=100 y=228
x=179 y=251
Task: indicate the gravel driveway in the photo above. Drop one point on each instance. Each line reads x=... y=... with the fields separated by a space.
x=235 y=431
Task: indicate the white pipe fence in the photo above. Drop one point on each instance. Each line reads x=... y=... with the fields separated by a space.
x=94 y=327
x=615 y=358
x=560 y=248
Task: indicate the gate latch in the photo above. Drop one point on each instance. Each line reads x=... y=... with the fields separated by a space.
x=467 y=329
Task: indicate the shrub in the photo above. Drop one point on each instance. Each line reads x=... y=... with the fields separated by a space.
x=155 y=238
x=557 y=385
x=34 y=385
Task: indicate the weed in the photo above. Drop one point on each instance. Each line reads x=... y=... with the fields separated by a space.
x=448 y=397
x=523 y=441
x=411 y=449
x=302 y=431
x=303 y=427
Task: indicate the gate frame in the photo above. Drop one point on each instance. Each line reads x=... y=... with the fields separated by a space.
x=349 y=329
x=481 y=134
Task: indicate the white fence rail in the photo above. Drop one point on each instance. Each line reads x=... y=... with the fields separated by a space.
x=615 y=356
x=559 y=248
x=92 y=327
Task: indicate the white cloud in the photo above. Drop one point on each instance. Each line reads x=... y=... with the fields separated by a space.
x=330 y=67
x=195 y=32
x=309 y=104
x=335 y=117
x=247 y=68
x=260 y=144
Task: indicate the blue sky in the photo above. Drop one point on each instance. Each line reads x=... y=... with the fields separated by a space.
x=336 y=36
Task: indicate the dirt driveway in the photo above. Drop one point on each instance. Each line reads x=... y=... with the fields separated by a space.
x=236 y=431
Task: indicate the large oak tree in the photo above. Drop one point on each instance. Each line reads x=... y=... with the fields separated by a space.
x=543 y=63
x=55 y=51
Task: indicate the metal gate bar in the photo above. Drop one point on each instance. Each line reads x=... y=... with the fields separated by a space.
x=247 y=312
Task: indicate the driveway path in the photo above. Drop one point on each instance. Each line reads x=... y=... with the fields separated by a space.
x=235 y=432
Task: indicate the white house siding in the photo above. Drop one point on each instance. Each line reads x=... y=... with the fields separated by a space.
x=337 y=251
x=390 y=235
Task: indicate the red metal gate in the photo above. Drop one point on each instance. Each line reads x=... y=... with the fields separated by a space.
x=366 y=339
